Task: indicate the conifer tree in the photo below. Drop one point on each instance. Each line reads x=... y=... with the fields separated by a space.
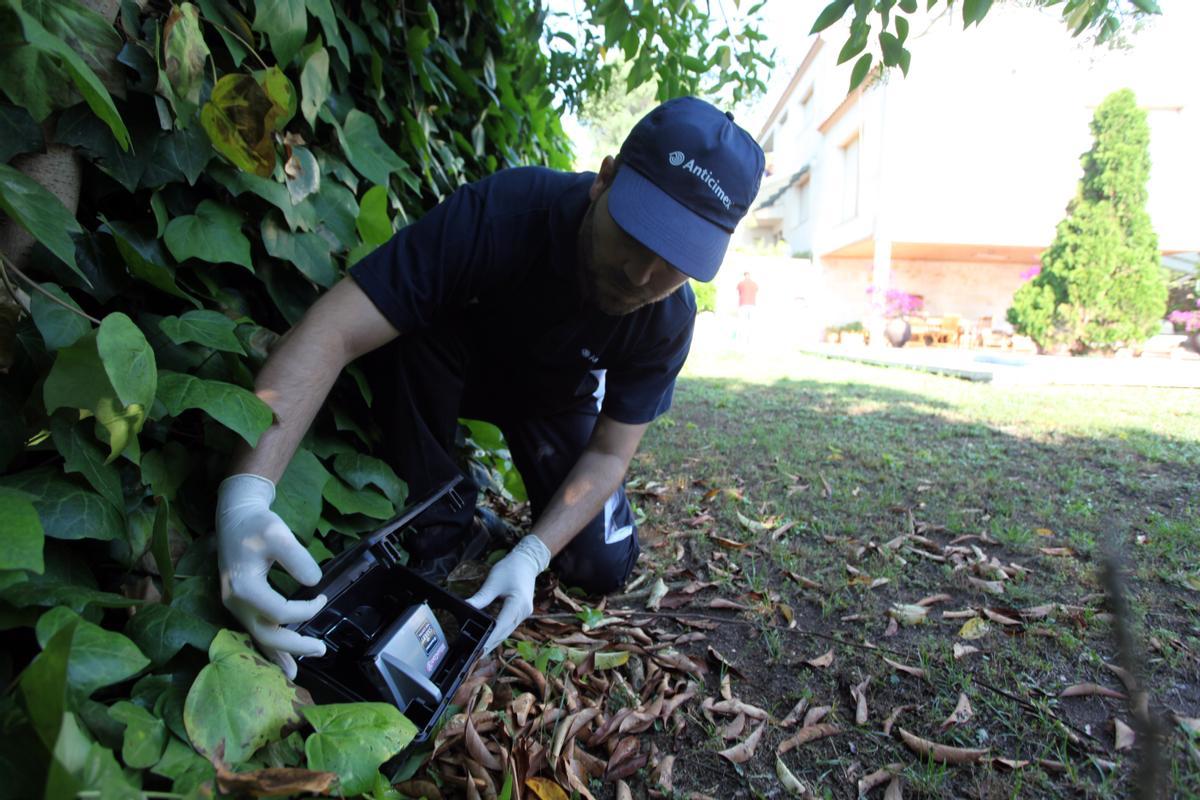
x=1101 y=283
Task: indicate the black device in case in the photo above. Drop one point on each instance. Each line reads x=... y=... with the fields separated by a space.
x=390 y=635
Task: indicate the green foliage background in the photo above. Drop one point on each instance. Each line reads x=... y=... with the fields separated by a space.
x=233 y=158
x=1102 y=283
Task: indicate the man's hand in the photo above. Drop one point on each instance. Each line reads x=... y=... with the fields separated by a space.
x=250 y=538
x=512 y=578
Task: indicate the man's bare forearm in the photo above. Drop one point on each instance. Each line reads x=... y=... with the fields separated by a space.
x=299 y=373
x=580 y=498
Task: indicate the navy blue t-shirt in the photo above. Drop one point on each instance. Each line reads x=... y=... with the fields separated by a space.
x=497 y=261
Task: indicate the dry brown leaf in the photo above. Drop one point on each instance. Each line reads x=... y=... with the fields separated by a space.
x=1089 y=689
x=725 y=662
x=1039 y=612
x=729 y=544
x=807 y=583
x=1000 y=619
x=961 y=650
x=478 y=750
x=891 y=719
x=569 y=728
x=1189 y=724
x=916 y=672
x=1060 y=552
x=793 y=716
x=660 y=776
x=934 y=598
x=790 y=783
x=989 y=587
x=788 y=615
x=859 y=693
x=815 y=715
x=943 y=754
x=625 y=759
x=743 y=752
x=734 y=707
x=623 y=792
x=1010 y=763
x=892 y=629
x=821 y=661
x=805 y=735
x=1043 y=531
x=732 y=605
x=1052 y=766
x=878 y=778
x=657 y=592
x=273 y=781
x=546 y=789
x=734 y=728
x=1123 y=734
x=961 y=713
x=966 y=613
x=908 y=613
x=893 y=791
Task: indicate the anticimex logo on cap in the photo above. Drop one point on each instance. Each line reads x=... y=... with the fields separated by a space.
x=677 y=159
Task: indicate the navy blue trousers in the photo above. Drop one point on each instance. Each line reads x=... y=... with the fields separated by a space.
x=426 y=380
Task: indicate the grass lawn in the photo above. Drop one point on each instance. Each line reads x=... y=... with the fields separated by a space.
x=825 y=493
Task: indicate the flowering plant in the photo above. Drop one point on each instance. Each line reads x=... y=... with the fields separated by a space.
x=897 y=303
x=1190 y=320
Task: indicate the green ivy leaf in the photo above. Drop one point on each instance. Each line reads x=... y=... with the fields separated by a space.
x=67 y=511
x=82 y=456
x=19 y=132
x=206 y=327
x=337 y=209
x=85 y=80
x=354 y=739
x=309 y=252
x=298 y=494
x=160 y=631
x=286 y=25
x=160 y=548
x=128 y=360
x=145 y=734
x=145 y=258
x=80 y=765
x=373 y=223
x=365 y=501
x=23 y=534
x=366 y=150
x=212 y=234
x=44 y=685
x=323 y=11
x=281 y=93
x=40 y=213
x=165 y=470
x=359 y=470
x=59 y=327
x=98 y=657
x=188 y=770
x=232 y=406
x=184 y=55
x=178 y=153
x=238 y=703
x=314 y=85
x=301 y=215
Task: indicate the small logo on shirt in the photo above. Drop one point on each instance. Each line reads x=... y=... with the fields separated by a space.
x=676 y=158
x=589 y=355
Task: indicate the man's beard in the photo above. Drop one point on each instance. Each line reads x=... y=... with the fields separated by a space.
x=607 y=289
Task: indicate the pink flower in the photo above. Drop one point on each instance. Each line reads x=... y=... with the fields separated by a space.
x=1032 y=272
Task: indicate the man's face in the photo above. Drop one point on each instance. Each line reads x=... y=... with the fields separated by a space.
x=617 y=273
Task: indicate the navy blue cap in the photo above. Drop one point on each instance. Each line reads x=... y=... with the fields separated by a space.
x=688 y=175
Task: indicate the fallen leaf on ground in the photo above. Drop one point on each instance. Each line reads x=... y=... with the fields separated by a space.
x=725 y=662
x=859 y=693
x=974 y=628
x=273 y=781
x=934 y=598
x=914 y=671
x=790 y=783
x=730 y=544
x=961 y=713
x=961 y=650
x=821 y=661
x=908 y=613
x=815 y=715
x=788 y=615
x=1061 y=552
x=943 y=754
x=893 y=791
x=877 y=778
x=1189 y=724
x=419 y=788
x=743 y=752
x=1010 y=763
x=733 y=605
x=891 y=720
x=794 y=715
x=734 y=729
x=657 y=593
x=661 y=775
x=623 y=792
x=1043 y=531
x=990 y=587
x=546 y=789
x=998 y=618
x=1123 y=734
x=1088 y=689
x=805 y=735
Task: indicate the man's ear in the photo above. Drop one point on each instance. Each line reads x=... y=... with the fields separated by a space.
x=604 y=178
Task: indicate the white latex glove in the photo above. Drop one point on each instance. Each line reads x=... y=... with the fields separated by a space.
x=250 y=538
x=512 y=578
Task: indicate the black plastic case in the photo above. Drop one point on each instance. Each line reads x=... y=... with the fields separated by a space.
x=368 y=591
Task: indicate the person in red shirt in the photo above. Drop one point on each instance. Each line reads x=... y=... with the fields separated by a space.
x=747 y=295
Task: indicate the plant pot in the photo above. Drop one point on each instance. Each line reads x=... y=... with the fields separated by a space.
x=897 y=331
